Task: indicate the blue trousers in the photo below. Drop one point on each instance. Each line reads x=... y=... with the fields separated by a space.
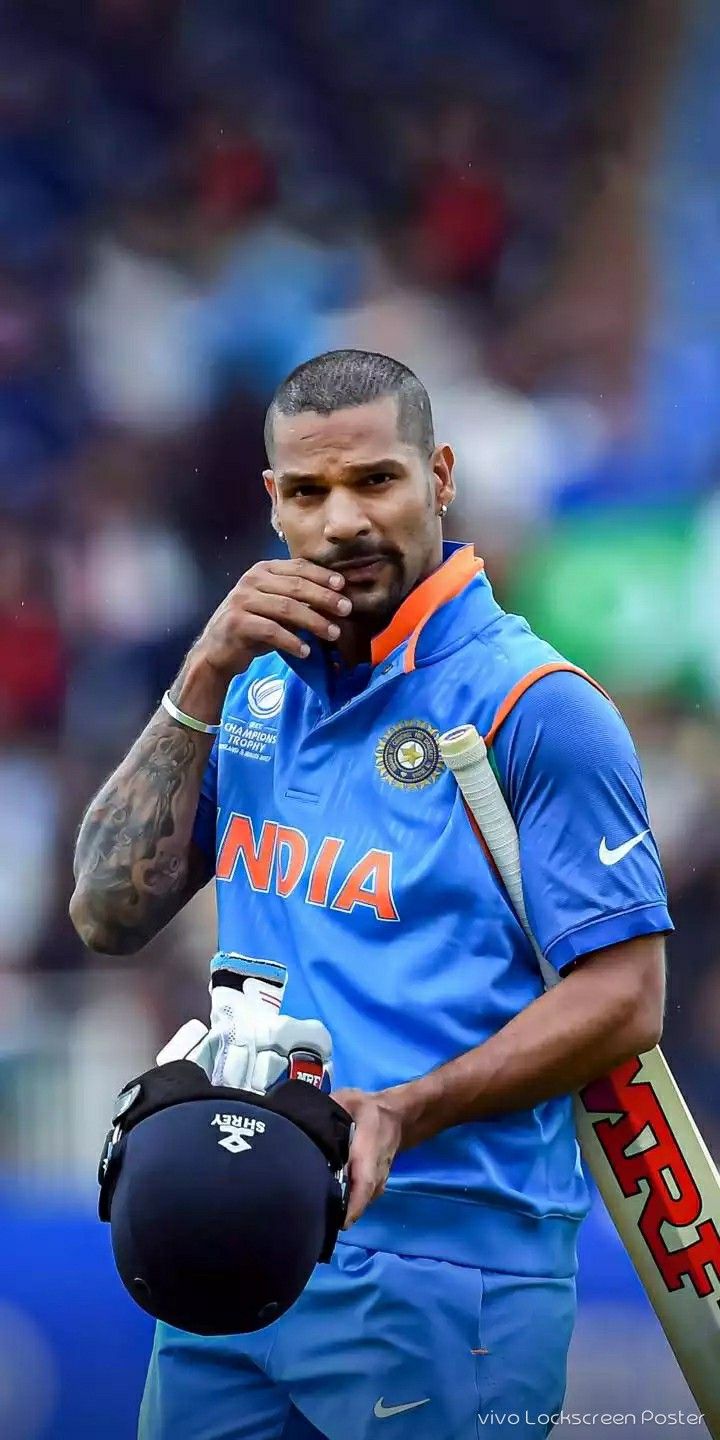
x=422 y=1349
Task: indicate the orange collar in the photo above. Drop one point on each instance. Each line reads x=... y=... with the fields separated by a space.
x=444 y=584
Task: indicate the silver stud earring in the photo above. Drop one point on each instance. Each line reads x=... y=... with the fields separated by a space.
x=442 y=512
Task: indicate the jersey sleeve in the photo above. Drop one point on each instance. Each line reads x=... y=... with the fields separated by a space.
x=572 y=779
x=205 y=823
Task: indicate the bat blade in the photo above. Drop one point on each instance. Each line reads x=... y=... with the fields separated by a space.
x=661 y=1188
x=648 y=1159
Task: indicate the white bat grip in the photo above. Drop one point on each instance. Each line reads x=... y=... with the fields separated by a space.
x=465 y=754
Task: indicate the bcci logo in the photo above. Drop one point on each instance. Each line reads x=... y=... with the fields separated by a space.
x=409 y=755
x=265 y=697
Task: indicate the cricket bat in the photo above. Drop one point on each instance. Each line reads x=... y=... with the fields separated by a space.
x=637 y=1136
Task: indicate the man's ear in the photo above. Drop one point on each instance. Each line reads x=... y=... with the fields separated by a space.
x=442 y=462
x=271 y=487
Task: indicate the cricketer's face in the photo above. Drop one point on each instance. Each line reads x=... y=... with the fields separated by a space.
x=351 y=494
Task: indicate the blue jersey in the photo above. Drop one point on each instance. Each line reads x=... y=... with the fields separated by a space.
x=343 y=849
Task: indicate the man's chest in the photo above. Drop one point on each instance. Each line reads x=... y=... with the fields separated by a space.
x=352 y=811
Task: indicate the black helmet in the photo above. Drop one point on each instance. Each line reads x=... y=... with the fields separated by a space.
x=220 y=1201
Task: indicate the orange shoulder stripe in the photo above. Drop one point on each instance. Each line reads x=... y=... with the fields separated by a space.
x=519 y=689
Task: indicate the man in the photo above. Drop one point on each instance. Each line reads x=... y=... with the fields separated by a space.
x=342 y=848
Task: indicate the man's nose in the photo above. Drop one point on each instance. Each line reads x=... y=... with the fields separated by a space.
x=344 y=519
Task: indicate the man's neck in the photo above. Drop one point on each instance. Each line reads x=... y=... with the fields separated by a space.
x=355 y=640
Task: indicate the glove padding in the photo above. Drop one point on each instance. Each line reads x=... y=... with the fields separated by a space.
x=252 y=1044
x=249 y=1046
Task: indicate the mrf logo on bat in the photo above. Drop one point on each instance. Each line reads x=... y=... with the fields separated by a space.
x=672 y=1196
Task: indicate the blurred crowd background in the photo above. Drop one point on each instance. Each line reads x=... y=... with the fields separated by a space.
x=520 y=201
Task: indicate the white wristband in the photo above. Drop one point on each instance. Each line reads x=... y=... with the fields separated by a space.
x=187 y=720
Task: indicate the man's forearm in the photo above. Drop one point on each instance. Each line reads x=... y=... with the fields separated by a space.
x=578 y=1031
x=132 y=860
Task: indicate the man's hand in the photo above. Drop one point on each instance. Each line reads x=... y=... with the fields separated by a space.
x=250 y=1045
x=269 y=604
x=375 y=1143
x=135 y=861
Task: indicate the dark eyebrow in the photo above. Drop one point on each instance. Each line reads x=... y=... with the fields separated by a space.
x=291 y=478
x=373 y=467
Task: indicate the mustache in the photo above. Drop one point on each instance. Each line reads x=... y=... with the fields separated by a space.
x=344 y=555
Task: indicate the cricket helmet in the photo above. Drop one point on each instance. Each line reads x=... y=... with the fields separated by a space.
x=221 y=1201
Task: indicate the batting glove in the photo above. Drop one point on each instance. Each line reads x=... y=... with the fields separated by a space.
x=249 y=1045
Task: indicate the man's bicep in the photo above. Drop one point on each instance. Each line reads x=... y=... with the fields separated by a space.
x=635 y=968
x=591 y=871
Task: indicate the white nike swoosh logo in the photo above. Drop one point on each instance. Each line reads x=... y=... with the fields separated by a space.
x=611 y=857
x=381 y=1410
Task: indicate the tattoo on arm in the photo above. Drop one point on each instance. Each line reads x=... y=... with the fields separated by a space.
x=134 y=863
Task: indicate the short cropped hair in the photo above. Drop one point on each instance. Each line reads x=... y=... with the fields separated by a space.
x=342 y=378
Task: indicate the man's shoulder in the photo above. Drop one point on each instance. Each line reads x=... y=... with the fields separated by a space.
x=527 y=680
